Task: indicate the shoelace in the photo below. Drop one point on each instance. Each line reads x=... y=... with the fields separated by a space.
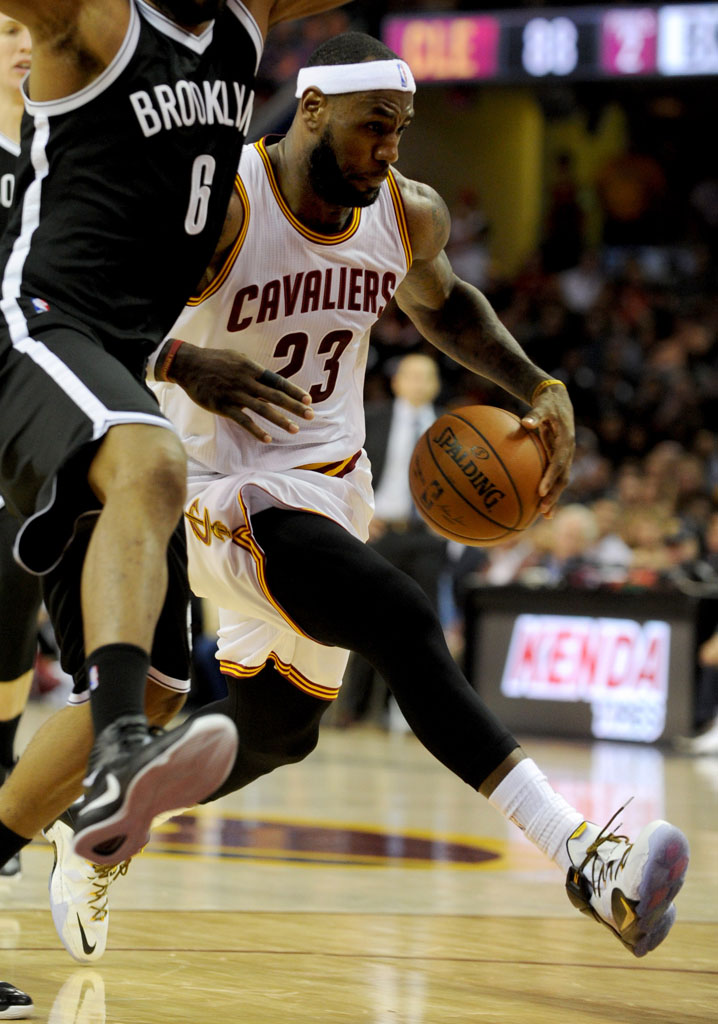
x=124 y=736
x=102 y=877
x=605 y=871
x=132 y=736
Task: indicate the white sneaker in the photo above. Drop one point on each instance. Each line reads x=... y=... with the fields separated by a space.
x=78 y=896
x=629 y=887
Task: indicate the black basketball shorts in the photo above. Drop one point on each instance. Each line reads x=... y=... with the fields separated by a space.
x=60 y=392
x=20 y=599
x=170 y=654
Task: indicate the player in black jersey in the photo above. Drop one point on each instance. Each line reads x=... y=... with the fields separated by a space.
x=17 y=632
x=19 y=591
x=15 y=49
x=136 y=114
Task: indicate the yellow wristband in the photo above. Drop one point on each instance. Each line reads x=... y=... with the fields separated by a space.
x=546 y=384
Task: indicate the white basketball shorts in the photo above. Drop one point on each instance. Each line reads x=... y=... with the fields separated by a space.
x=226 y=566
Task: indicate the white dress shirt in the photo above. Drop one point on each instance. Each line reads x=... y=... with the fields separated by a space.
x=392 y=498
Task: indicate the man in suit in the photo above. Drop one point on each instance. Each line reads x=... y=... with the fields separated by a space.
x=397 y=531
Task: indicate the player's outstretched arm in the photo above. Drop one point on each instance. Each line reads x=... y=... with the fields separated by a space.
x=229 y=384
x=73 y=41
x=268 y=12
x=459 y=320
x=33 y=12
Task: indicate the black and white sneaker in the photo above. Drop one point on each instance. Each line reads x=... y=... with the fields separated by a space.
x=14 y=1004
x=137 y=773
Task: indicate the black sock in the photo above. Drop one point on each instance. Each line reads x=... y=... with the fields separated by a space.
x=10 y=843
x=8 y=728
x=118 y=676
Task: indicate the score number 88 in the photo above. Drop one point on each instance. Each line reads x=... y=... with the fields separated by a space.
x=550 y=46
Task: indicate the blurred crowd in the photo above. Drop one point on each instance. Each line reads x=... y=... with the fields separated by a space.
x=641 y=365
x=630 y=325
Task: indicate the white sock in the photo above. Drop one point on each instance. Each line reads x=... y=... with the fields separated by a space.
x=526 y=798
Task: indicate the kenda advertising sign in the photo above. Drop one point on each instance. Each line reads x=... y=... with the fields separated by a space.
x=617 y=666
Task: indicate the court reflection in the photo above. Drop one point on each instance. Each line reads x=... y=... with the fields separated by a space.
x=81 y=999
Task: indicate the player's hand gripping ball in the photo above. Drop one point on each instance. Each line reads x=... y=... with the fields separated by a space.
x=474 y=475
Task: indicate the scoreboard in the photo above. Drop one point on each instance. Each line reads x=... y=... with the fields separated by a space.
x=577 y=43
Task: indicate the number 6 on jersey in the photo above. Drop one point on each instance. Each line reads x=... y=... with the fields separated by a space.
x=203 y=170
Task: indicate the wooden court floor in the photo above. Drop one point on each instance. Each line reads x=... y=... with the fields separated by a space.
x=369 y=886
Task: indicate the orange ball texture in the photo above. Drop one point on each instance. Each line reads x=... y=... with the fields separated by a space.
x=474 y=475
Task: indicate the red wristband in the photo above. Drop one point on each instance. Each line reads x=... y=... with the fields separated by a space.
x=168 y=360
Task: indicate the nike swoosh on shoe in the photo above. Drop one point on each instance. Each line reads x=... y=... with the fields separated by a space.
x=89 y=950
x=110 y=794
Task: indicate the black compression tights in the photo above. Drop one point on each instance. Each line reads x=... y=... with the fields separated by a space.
x=341 y=592
x=277 y=724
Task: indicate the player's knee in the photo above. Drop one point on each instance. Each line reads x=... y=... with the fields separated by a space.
x=276 y=750
x=162 y=477
x=142 y=463
x=169 y=476
x=264 y=754
x=295 y=748
x=255 y=760
x=161 y=704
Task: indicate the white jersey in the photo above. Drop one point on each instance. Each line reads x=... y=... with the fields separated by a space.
x=299 y=303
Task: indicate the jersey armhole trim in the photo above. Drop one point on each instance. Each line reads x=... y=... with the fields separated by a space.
x=253 y=30
x=224 y=271
x=400 y=214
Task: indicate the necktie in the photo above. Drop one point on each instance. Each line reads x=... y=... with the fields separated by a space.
x=417 y=428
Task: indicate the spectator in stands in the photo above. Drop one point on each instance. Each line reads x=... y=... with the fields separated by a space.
x=631 y=187
x=582 y=285
x=572 y=533
x=467 y=247
x=705 y=741
x=609 y=552
x=565 y=220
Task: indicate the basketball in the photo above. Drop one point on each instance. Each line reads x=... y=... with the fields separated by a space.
x=474 y=475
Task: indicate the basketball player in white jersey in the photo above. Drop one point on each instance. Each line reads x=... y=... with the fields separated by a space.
x=325 y=234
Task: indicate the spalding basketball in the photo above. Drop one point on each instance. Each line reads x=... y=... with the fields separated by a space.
x=474 y=475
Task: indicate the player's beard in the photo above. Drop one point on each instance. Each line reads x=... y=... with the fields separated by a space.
x=191 y=12
x=328 y=181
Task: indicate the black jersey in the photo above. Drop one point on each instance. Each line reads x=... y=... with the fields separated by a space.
x=122 y=188
x=9 y=152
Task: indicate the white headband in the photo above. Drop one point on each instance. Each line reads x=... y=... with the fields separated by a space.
x=369 y=75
